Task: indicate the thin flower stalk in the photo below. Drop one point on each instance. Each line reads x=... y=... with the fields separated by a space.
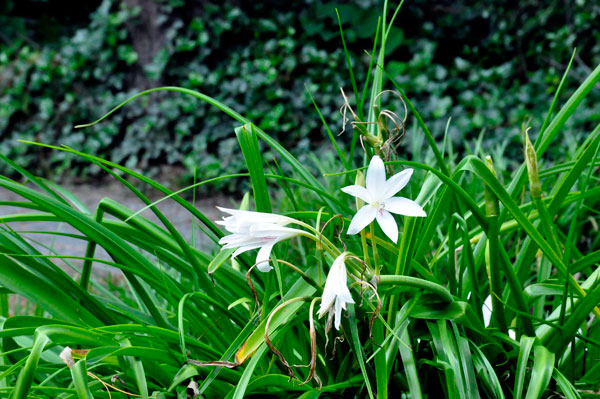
x=268 y=342
x=312 y=366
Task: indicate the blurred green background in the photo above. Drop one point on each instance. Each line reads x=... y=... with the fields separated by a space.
x=489 y=65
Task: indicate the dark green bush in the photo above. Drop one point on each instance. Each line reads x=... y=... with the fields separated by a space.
x=487 y=65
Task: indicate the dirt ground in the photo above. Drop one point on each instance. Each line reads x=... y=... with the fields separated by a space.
x=90 y=195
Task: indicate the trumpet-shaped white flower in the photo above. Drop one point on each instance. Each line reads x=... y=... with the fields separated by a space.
x=380 y=200
x=336 y=293
x=252 y=230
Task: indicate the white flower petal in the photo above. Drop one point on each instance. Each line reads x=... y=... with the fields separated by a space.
x=227 y=210
x=244 y=248
x=262 y=259
x=271 y=230
x=375 y=178
x=388 y=225
x=326 y=301
x=346 y=297
x=404 y=206
x=486 y=310
x=337 y=277
x=363 y=217
x=396 y=183
x=329 y=291
x=338 y=313
x=358 y=191
x=251 y=230
x=336 y=294
x=238 y=239
x=242 y=219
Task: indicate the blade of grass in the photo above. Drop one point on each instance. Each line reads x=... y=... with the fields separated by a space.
x=349 y=65
x=248 y=141
x=354 y=341
x=557 y=92
x=79 y=374
x=543 y=366
x=339 y=152
x=302 y=171
x=525 y=346
x=480 y=169
x=25 y=379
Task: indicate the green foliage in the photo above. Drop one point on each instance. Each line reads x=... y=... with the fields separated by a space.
x=486 y=65
x=184 y=322
x=492 y=66
x=184 y=316
x=258 y=59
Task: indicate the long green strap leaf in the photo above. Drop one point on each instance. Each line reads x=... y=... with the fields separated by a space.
x=543 y=365
x=524 y=350
x=79 y=374
x=302 y=171
x=248 y=141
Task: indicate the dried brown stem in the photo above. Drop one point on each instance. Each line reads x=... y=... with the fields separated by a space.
x=215 y=363
x=290 y=371
x=399 y=96
x=107 y=385
x=341 y=338
x=313 y=347
x=251 y=285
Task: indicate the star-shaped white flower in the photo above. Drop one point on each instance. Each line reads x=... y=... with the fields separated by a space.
x=251 y=230
x=379 y=196
x=336 y=294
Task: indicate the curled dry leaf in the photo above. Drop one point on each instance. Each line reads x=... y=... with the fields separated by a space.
x=192 y=390
x=67 y=357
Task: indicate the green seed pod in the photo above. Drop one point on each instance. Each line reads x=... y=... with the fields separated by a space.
x=532 y=168
x=491 y=203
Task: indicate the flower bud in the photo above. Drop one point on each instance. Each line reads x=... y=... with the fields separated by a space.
x=359 y=181
x=532 y=168
x=491 y=203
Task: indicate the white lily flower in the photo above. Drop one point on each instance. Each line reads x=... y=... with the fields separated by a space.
x=252 y=230
x=380 y=200
x=336 y=294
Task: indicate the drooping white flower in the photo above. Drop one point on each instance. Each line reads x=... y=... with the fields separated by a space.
x=252 y=230
x=336 y=294
x=380 y=200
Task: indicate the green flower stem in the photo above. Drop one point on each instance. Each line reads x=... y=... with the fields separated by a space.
x=86 y=270
x=546 y=219
x=535 y=188
x=316 y=236
x=305 y=276
x=363 y=240
x=493 y=258
x=356 y=267
x=375 y=253
x=469 y=259
x=454 y=286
